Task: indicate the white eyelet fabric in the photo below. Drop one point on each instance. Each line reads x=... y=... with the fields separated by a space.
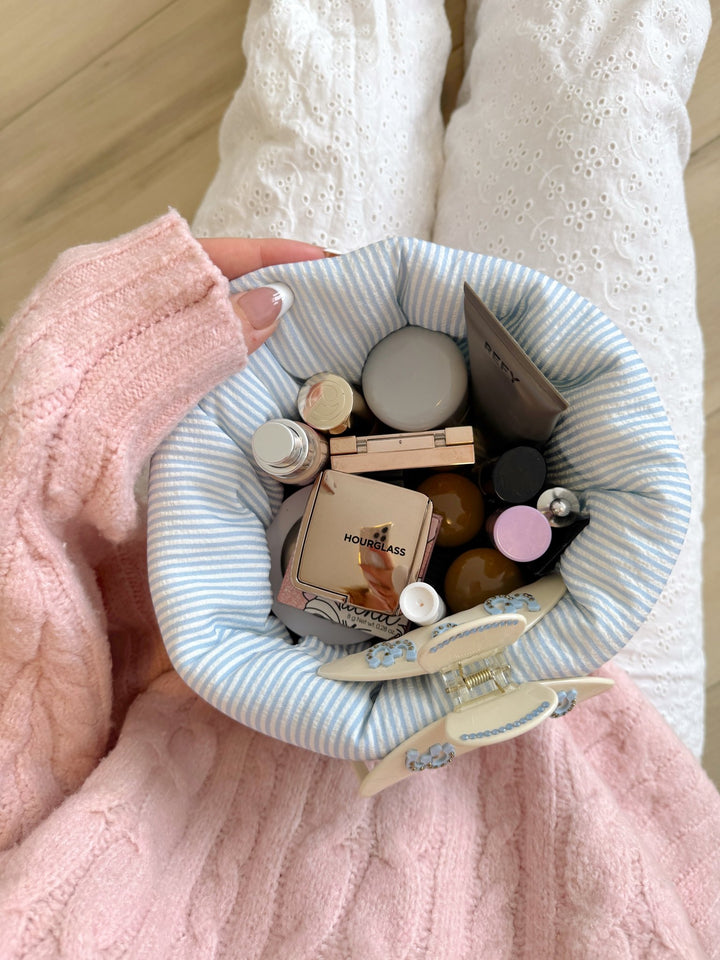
x=566 y=153
x=209 y=508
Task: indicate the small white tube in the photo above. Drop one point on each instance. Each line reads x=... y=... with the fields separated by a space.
x=421 y=603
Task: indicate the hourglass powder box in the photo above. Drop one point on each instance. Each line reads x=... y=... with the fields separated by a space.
x=361 y=541
x=335 y=621
x=302 y=613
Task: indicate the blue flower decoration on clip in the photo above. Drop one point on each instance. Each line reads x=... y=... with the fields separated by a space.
x=386 y=653
x=566 y=701
x=439 y=755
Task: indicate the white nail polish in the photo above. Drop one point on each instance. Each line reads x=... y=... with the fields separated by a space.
x=286 y=296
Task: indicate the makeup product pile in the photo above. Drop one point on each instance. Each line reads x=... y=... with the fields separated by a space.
x=424 y=489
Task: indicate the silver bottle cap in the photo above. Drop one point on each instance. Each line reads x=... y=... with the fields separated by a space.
x=279 y=446
x=560 y=506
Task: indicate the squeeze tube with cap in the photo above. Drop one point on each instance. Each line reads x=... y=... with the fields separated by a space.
x=416 y=379
x=512 y=398
x=289 y=451
x=421 y=603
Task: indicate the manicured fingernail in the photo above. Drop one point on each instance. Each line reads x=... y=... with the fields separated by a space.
x=332 y=253
x=263 y=306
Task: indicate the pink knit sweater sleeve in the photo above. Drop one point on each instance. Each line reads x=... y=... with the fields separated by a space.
x=105 y=356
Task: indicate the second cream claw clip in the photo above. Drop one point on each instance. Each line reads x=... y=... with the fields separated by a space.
x=467 y=649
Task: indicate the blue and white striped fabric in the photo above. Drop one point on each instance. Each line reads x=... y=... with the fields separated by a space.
x=209 y=508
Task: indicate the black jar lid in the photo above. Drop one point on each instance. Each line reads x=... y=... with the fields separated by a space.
x=518 y=475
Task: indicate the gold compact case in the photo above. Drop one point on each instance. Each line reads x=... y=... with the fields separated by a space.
x=448 y=447
x=329 y=403
x=361 y=541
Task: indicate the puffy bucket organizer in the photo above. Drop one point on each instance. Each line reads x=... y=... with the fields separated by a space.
x=209 y=510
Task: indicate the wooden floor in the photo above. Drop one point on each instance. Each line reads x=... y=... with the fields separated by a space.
x=109 y=114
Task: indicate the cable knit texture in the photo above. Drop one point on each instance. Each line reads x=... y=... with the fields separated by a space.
x=89 y=387
x=594 y=836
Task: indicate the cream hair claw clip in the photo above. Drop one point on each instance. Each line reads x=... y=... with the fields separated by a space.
x=468 y=650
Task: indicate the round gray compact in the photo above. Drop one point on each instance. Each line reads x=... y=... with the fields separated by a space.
x=416 y=379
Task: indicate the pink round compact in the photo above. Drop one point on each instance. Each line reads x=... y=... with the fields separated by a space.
x=521 y=533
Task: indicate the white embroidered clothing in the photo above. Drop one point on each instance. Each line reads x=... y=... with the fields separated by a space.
x=566 y=153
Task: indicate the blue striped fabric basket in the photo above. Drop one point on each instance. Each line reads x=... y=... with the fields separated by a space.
x=209 y=508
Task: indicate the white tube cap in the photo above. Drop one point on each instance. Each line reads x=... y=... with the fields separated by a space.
x=421 y=603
